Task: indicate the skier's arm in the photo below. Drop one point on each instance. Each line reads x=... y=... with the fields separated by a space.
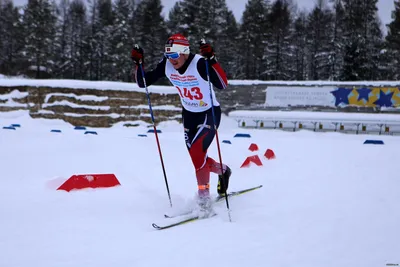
x=217 y=74
x=151 y=76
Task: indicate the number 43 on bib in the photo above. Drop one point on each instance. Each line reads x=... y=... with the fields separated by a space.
x=193 y=93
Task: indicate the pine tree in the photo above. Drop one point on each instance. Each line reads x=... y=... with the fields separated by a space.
x=393 y=43
x=11 y=41
x=121 y=42
x=278 y=54
x=174 y=19
x=363 y=40
x=299 y=40
x=132 y=18
x=192 y=12
x=337 y=41
x=319 y=35
x=211 y=20
x=226 y=49
x=101 y=23
x=39 y=23
x=150 y=31
x=221 y=31
x=91 y=40
x=198 y=19
x=61 y=46
x=103 y=37
x=78 y=29
x=253 y=37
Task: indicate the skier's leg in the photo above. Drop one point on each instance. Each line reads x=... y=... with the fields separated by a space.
x=198 y=154
x=193 y=126
x=215 y=167
x=199 y=134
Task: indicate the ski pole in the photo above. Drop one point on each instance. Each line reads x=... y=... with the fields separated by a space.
x=155 y=133
x=217 y=139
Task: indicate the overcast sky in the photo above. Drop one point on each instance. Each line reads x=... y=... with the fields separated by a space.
x=237 y=7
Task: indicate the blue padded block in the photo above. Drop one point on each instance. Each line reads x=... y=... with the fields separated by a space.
x=226 y=142
x=91 y=132
x=142 y=135
x=374 y=142
x=152 y=131
x=242 y=135
x=9 y=128
x=16 y=125
x=80 y=128
x=55 y=131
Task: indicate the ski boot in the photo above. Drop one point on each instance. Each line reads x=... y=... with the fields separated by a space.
x=205 y=207
x=223 y=181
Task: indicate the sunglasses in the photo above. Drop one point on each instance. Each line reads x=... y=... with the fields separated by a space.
x=174 y=55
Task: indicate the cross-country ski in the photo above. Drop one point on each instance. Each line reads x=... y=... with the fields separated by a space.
x=187 y=217
x=216 y=200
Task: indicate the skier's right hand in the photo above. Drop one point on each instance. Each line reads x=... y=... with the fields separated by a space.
x=137 y=54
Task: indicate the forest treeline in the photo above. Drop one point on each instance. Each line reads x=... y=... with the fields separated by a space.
x=339 y=40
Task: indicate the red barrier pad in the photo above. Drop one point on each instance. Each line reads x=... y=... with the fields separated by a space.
x=269 y=154
x=255 y=159
x=253 y=147
x=81 y=181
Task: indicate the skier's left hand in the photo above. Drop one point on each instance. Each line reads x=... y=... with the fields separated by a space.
x=206 y=49
x=137 y=54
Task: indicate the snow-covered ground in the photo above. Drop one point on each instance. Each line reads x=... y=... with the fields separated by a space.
x=327 y=199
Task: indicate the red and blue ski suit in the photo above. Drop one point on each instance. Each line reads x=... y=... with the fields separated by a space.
x=191 y=82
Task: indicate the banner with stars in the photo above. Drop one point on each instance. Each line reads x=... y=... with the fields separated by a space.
x=333 y=96
x=367 y=96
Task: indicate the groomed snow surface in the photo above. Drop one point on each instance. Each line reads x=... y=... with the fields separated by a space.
x=327 y=199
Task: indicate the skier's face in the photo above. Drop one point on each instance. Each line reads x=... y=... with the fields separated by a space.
x=177 y=63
